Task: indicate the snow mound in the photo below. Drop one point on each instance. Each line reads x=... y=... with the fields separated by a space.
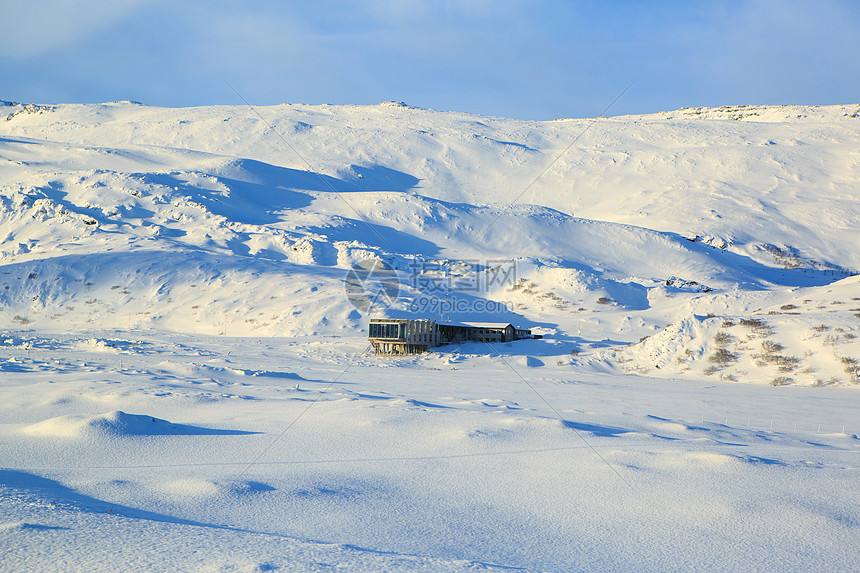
x=19 y=527
x=114 y=424
x=198 y=487
x=803 y=336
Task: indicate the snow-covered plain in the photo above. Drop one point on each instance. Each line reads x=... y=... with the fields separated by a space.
x=187 y=386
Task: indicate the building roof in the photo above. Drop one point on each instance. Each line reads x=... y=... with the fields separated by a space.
x=490 y=325
x=493 y=325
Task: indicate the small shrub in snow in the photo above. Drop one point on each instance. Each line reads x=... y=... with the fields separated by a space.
x=830 y=340
x=728 y=378
x=821 y=328
x=786 y=255
x=728 y=323
x=852 y=368
x=710 y=370
x=787 y=307
x=604 y=300
x=770 y=347
x=781 y=381
x=722 y=357
x=722 y=339
x=788 y=366
x=759 y=327
x=785 y=363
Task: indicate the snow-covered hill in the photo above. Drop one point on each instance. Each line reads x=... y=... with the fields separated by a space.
x=737 y=176
x=245 y=221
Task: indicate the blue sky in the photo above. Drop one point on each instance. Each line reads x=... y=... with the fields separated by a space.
x=530 y=60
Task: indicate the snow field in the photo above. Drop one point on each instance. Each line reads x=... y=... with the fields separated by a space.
x=470 y=467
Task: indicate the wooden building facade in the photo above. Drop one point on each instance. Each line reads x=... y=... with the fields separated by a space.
x=413 y=336
x=402 y=335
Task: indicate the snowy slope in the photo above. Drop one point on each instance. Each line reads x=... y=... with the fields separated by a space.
x=180 y=358
x=778 y=175
x=95 y=197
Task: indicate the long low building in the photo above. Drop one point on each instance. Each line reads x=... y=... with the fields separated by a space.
x=412 y=336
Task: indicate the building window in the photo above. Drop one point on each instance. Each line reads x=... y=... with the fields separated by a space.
x=383 y=330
